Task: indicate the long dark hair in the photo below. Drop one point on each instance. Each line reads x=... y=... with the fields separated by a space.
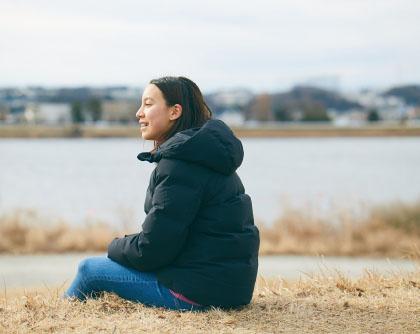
x=183 y=91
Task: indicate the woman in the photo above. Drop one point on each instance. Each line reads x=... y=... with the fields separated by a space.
x=198 y=246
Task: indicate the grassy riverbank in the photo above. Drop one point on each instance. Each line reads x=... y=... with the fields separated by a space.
x=390 y=230
x=295 y=130
x=324 y=303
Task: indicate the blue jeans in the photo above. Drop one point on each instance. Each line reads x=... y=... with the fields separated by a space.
x=99 y=273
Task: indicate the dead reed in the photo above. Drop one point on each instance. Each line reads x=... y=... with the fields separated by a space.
x=391 y=230
x=285 y=131
x=27 y=232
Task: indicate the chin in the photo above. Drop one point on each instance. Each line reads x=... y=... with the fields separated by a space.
x=146 y=137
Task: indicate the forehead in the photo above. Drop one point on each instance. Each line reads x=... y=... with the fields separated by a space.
x=152 y=92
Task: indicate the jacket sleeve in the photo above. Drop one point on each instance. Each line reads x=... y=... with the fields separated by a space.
x=175 y=202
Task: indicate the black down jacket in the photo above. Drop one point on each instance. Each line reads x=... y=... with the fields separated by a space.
x=199 y=235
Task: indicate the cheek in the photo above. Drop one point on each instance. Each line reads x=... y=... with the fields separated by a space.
x=159 y=117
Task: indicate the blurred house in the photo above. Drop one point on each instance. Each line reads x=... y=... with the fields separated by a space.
x=355 y=117
x=237 y=97
x=232 y=117
x=231 y=101
x=413 y=115
x=123 y=111
x=48 y=113
x=390 y=108
x=15 y=111
x=4 y=112
x=123 y=93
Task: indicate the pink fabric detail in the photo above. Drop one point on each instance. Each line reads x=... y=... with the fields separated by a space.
x=182 y=297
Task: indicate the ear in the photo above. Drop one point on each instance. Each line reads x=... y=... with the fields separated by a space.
x=176 y=112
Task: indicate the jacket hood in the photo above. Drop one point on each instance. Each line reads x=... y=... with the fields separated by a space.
x=212 y=145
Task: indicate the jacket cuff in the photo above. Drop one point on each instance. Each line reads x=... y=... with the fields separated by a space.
x=114 y=251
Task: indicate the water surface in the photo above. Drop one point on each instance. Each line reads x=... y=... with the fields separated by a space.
x=79 y=179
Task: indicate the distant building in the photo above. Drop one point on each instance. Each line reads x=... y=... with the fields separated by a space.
x=119 y=111
x=125 y=93
x=413 y=113
x=48 y=113
x=233 y=97
x=15 y=111
x=350 y=118
x=388 y=107
x=4 y=112
x=232 y=117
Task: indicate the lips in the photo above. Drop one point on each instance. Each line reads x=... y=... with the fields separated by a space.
x=143 y=124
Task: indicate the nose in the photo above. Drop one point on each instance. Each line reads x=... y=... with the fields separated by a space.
x=139 y=113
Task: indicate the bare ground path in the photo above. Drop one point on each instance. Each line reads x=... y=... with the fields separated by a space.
x=39 y=270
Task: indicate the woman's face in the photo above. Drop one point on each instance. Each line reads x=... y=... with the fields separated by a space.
x=155 y=117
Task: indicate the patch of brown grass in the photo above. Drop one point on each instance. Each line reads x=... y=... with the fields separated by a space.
x=391 y=230
x=295 y=130
x=26 y=232
x=327 y=302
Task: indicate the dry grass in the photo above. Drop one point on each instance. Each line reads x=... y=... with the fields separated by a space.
x=27 y=232
x=316 y=131
x=290 y=130
x=67 y=131
x=324 y=303
x=391 y=230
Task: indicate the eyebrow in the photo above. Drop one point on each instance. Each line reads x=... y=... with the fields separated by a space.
x=148 y=98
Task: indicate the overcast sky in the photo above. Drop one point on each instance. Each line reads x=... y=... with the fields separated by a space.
x=261 y=45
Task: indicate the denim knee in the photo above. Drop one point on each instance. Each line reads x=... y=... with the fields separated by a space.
x=85 y=267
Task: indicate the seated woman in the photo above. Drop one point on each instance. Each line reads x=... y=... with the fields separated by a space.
x=198 y=246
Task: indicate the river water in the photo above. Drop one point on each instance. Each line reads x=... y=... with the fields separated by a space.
x=82 y=179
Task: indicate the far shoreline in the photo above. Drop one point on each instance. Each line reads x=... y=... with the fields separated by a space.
x=269 y=131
